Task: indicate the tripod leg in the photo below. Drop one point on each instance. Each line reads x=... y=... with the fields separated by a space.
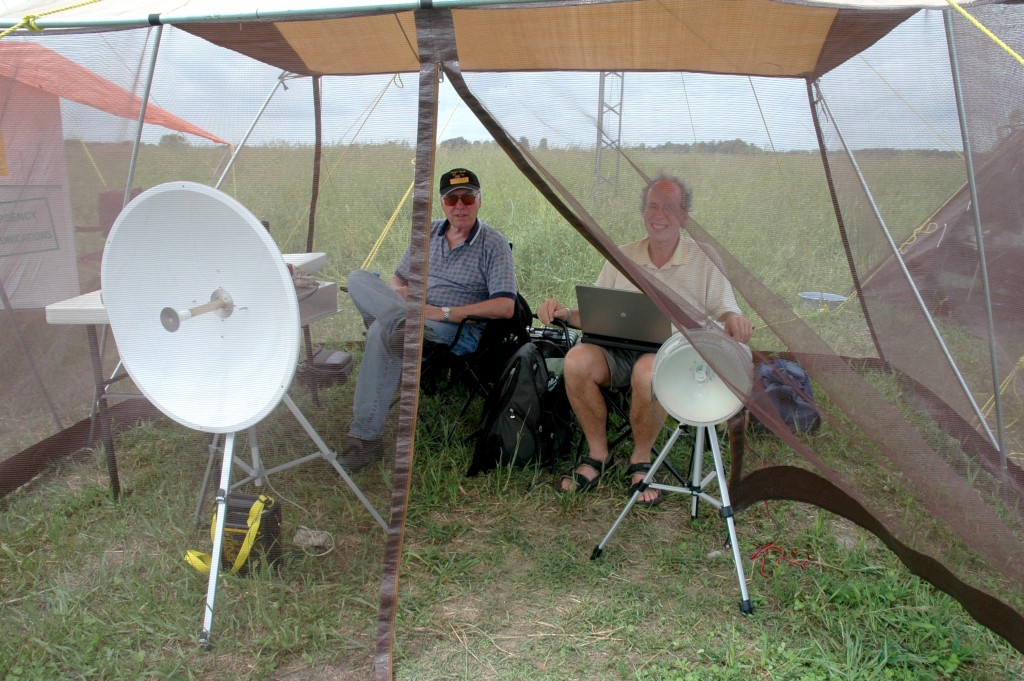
x=206 y=478
x=332 y=457
x=632 y=500
x=257 y=462
x=218 y=537
x=726 y=512
x=696 y=467
x=672 y=469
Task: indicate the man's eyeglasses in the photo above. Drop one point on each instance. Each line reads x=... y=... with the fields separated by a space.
x=656 y=207
x=452 y=199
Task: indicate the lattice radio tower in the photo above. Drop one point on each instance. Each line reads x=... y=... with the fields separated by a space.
x=609 y=128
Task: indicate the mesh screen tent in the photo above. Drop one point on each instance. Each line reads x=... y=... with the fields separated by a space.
x=854 y=167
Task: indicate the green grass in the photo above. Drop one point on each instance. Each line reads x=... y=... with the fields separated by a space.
x=496 y=582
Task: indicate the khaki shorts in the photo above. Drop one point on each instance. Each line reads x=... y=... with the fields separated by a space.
x=620 y=365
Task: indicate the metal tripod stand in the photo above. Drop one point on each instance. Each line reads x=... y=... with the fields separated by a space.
x=257 y=472
x=696 y=490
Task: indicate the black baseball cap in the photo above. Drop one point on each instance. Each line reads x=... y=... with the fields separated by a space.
x=459 y=178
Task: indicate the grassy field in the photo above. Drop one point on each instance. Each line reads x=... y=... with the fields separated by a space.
x=496 y=579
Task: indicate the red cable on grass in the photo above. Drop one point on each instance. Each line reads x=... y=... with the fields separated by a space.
x=780 y=552
x=772 y=547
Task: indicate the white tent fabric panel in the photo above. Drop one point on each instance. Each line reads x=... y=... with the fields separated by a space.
x=37 y=250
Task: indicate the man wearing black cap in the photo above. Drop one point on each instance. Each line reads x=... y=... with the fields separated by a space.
x=471 y=273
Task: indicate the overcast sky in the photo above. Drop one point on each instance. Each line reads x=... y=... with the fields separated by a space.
x=903 y=92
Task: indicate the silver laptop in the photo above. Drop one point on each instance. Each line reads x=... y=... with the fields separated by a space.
x=621 y=319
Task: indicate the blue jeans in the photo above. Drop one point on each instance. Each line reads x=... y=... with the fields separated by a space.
x=381 y=370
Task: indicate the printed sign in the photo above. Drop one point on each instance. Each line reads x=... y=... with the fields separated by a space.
x=26 y=226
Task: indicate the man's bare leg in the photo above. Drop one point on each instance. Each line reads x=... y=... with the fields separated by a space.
x=645 y=417
x=586 y=372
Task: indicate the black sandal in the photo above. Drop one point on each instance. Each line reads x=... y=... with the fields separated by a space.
x=635 y=487
x=582 y=482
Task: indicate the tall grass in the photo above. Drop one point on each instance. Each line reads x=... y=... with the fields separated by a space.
x=749 y=202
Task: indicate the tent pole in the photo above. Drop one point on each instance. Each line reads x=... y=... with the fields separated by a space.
x=894 y=247
x=142 y=116
x=435 y=45
x=314 y=197
x=252 y=126
x=844 y=236
x=961 y=113
x=136 y=143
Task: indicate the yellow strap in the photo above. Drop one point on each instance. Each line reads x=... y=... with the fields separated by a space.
x=253 y=523
x=201 y=561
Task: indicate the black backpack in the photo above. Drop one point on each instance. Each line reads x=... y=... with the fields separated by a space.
x=783 y=385
x=527 y=417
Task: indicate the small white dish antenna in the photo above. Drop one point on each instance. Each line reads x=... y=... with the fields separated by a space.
x=701 y=380
x=202 y=306
x=700 y=387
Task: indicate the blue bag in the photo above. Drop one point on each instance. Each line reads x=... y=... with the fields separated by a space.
x=783 y=385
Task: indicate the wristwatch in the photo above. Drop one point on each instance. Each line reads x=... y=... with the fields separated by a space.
x=446 y=313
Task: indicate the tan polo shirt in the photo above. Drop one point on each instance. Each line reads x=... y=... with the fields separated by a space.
x=689 y=272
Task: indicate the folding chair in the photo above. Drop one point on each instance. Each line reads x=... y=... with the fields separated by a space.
x=480 y=369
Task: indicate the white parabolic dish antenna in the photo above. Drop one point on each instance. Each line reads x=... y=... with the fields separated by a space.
x=701 y=388
x=202 y=307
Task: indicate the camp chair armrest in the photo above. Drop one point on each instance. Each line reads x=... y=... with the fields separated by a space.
x=469 y=319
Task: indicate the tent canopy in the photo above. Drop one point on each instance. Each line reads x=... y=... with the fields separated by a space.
x=751 y=37
x=40 y=67
x=668 y=36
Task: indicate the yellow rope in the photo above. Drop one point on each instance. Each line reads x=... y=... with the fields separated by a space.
x=1008 y=382
x=907 y=103
x=926 y=228
x=987 y=407
x=992 y=36
x=329 y=173
x=85 y=149
x=29 y=21
x=387 y=228
x=394 y=215
x=771 y=143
